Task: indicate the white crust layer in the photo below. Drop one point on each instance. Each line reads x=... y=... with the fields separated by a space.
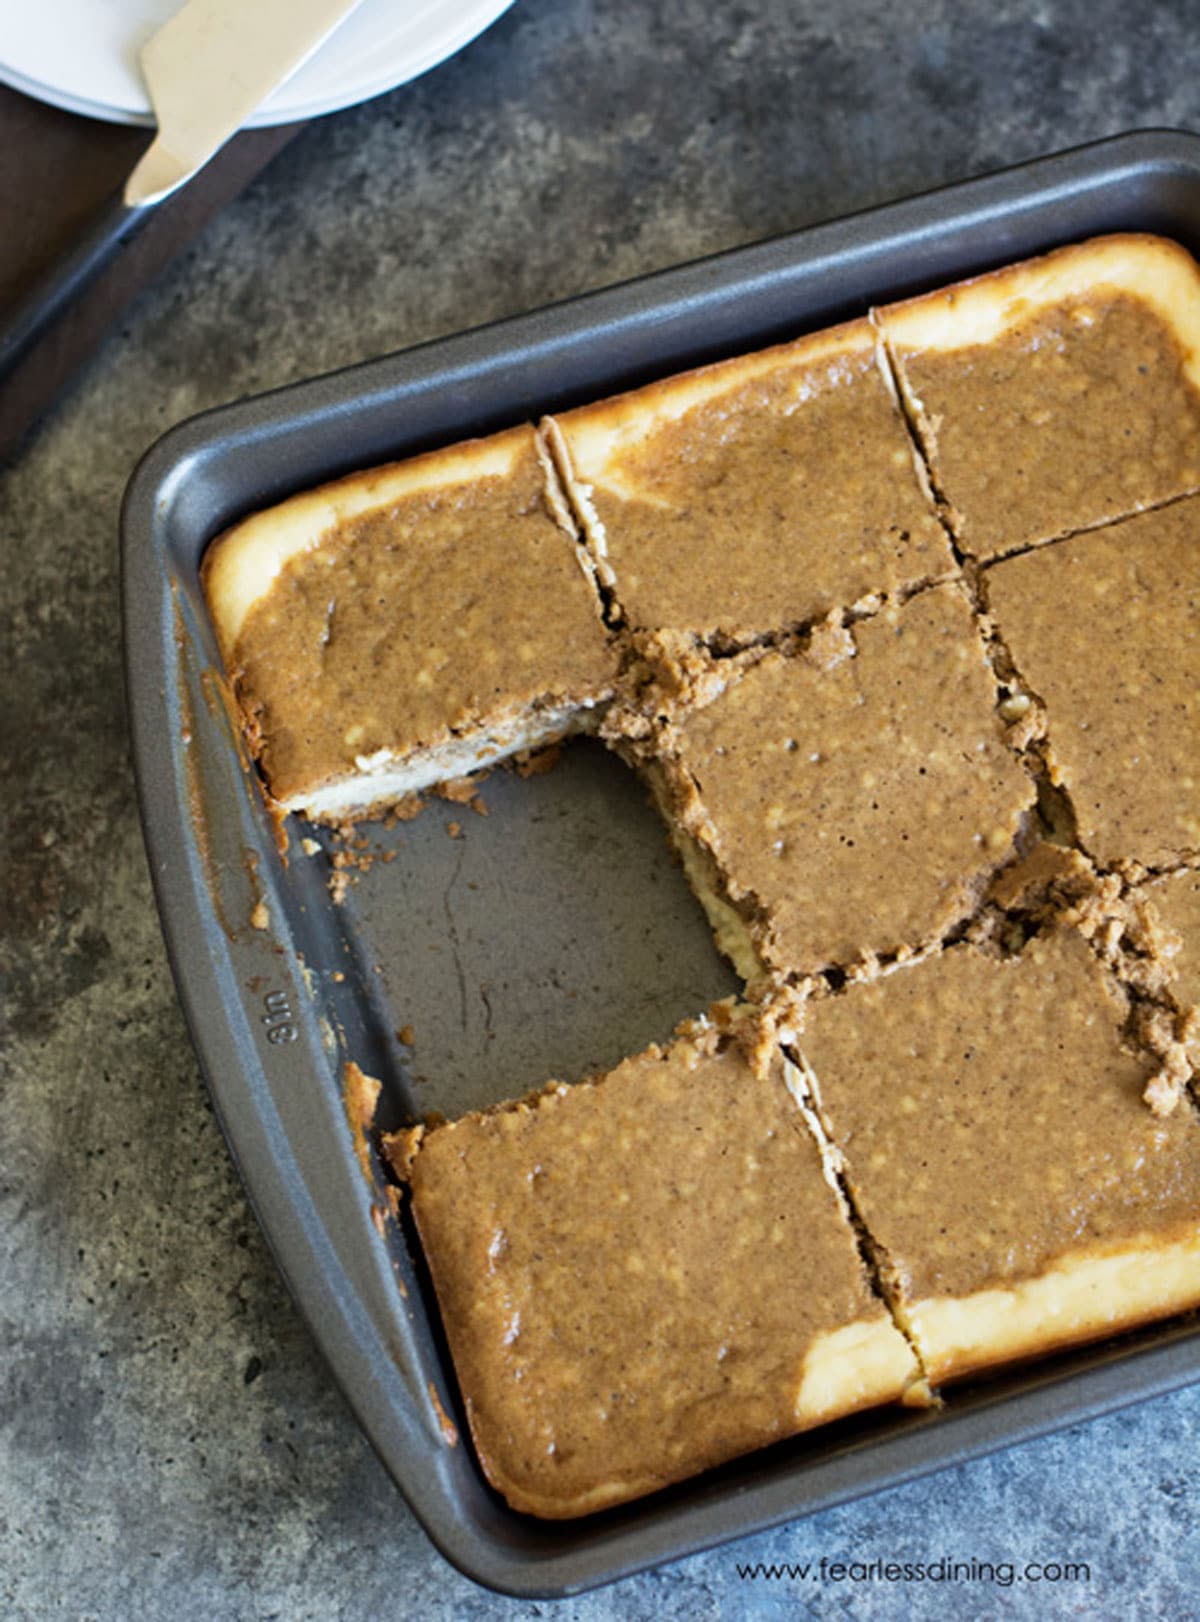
x=1152 y=270
x=594 y=437
x=851 y=1368
x=384 y=778
x=1081 y=1297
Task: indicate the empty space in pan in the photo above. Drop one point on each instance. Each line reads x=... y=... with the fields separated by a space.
x=544 y=935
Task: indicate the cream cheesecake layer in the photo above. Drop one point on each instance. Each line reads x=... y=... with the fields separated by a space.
x=409 y=625
x=1155 y=270
x=1081 y=1298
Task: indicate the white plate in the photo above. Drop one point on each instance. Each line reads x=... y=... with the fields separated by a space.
x=83 y=54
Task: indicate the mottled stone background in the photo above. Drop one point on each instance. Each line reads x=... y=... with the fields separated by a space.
x=170 y=1444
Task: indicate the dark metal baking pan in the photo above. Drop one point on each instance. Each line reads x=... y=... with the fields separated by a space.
x=553 y=935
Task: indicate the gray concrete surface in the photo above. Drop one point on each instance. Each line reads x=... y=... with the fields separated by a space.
x=169 y=1442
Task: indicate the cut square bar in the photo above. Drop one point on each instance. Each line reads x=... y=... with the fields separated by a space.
x=1057 y=394
x=990 y=1118
x=1105 y=628
x=408 y=625
x=832 y=812
x=755 y=494
x=645 y=1275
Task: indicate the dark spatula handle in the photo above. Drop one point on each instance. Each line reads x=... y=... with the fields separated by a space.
x=114 y=224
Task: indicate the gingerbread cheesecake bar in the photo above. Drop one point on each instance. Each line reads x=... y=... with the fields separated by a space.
x=837 y=808
x=409 y=625
x=645 y=1275
x=898 y=621
x=1056 y=394
x=1105 y=629
x=753 y=494
x=989 y=1115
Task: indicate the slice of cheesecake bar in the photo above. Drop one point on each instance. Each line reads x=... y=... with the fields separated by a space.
x=1020 y=1195
x=1056 y=394
x=829 y=812
x=754 y=494
x=647 y=1274
x=408 y=625
x=1105 y=628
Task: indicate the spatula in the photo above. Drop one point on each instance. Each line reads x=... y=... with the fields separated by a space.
x=207 y=70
